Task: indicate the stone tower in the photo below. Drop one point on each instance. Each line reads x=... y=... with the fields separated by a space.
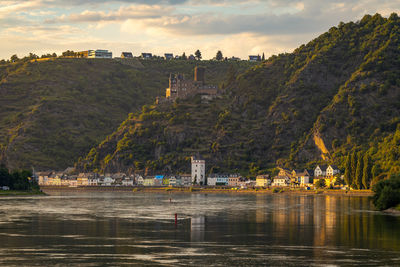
x=198 y=170
x=199 y=74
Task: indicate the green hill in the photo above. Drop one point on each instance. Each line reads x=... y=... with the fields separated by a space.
x=52 y=112
x=338 y=93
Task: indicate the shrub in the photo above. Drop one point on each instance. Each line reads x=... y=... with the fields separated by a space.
x=320 y=183
x=387 y=193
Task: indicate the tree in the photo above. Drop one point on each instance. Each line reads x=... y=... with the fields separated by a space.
x=359 y=171
x=258 y=58
x=4 y=176
x=184 y=57
x=14 y=58
x=198 y=54
x=219 y=56
x=320 y=183
x=366 y=178
x=347 y=172
x=68 y=53
x=54 y=55
x=353 y=167
x=375 y=171
x=387 y=193
x=263 y=57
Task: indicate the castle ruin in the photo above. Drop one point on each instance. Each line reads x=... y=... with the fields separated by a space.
x=179 y=87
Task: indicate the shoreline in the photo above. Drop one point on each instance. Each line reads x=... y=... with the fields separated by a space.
x=7 y=193
x=198 y=190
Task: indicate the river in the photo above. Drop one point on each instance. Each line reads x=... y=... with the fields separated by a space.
x=124 y=228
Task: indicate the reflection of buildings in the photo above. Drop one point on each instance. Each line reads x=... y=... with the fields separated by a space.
x=197 y=228
x=261 y=211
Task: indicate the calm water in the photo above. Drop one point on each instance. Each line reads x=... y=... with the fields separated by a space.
x=92 y=229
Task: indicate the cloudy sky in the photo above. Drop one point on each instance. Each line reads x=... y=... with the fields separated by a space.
x=237 y=27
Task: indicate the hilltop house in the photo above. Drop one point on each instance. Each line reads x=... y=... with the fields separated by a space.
x=254 y=58
x=146 y=55
x=168 y=56
x=126 y=55
x=99 y=53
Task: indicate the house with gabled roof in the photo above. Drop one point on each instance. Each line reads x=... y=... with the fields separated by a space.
x=320 y=170
x=126 y=55
x=168 y=56
x=284 y=172
x=332 y=170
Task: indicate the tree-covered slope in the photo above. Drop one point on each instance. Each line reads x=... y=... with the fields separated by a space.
x=52 y=112
x=338 y=93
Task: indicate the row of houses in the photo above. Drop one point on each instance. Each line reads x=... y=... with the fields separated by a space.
x=121 y=179
x=103 y=53
x=285 y=177
x=305 y=177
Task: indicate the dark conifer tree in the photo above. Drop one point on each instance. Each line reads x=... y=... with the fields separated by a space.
x=359 y=171
x=366 y=178
x=347 y=172
x=353 y=168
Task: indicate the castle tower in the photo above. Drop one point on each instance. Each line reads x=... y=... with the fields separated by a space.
x=199 y=74
x=198 y=170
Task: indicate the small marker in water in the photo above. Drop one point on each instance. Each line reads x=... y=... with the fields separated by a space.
x=176 y=218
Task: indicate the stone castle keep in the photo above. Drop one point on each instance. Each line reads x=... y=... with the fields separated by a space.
x=179 y=87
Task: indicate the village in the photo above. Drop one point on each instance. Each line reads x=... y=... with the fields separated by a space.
x=321 y=176
x=106 y=54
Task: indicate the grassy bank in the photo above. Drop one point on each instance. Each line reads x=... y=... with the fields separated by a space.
x=21 y=193
x=205 y=190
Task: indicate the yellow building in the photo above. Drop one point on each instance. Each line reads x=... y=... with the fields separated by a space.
x=263 y=180
x=82 y=181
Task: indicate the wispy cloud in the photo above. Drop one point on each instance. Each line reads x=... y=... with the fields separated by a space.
x=238 y=27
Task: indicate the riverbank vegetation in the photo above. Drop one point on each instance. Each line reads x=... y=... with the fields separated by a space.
x=387 y=193
x=17 y=181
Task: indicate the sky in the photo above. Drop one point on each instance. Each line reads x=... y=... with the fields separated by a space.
x=236 y=27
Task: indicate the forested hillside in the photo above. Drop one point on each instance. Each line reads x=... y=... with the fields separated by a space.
x=52 y=112
x=337 y=94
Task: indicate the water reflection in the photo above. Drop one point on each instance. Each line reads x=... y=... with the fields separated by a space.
x=197 y=228
x=126 y=228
